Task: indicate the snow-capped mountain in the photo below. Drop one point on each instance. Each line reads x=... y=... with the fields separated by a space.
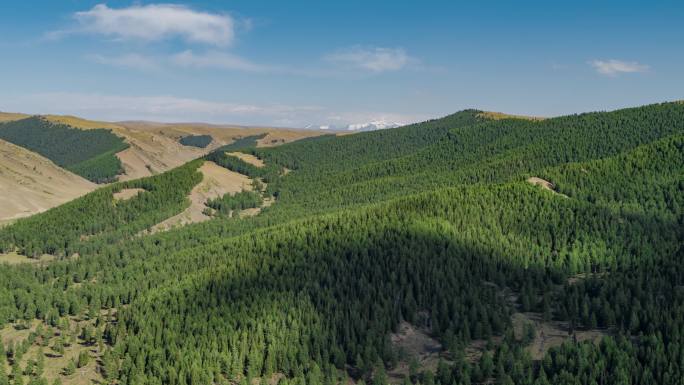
x=374 y=125
x=368 y=126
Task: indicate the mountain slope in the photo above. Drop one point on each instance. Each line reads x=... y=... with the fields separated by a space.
x=89 y=153
x=149 y=149
x=156 y=147
x=30 y=183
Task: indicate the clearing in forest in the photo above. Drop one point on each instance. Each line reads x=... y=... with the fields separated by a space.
x=127 y=194
x=414 y=343
x=14 y=258
x=247 y=158
x=256 y=210
x=545 y=184
x=216 y=182
x=549 y=334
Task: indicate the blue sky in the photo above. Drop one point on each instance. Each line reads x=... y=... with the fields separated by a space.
x=295 y=63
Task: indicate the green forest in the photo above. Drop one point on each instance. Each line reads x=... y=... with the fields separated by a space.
x=201 y=141
x=228 y=204
x=433 y=225
x=88 y=153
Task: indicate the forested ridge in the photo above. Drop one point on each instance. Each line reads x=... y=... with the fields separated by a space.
x=431 y=224
x=88 y=153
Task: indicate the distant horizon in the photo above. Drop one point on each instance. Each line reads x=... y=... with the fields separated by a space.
x=220 y=124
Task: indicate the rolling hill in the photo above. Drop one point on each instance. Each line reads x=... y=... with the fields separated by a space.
x=88 y=153
x=30 y=183
x=127 y=151
x=474 y=248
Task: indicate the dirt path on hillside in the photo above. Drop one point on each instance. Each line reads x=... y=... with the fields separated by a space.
x=216 y=182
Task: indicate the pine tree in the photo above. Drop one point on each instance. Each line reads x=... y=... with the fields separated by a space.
x=4 y=379
x=70 y=368
x=379 y=375
x=83 y=359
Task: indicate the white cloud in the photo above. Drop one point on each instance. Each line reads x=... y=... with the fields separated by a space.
x=185 y=59
x=614 y=67
x=375 y=59
x=155 y=22
x=162 y=108
x=216 y=59
x=131 y=60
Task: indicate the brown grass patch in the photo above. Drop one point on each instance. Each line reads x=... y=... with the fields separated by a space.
x=127 y=194
x=500 y=116
x=30 y=183
x=545 y=184
x=247 y=158
x=81 y=123
x=216 y=182
x=10 y=116
x=15 y=258
x=277 y=137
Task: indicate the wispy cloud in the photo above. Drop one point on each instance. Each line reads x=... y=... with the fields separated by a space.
x=185 y=59
x=164 y=108
x=154 y=22
x=218 y=60
x=375 y=59
x=129 y=60
x=614 y=67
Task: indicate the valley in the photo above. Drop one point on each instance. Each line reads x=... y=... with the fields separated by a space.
x=341 y=193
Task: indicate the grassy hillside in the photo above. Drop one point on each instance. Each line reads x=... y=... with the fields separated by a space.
x=98 y=215
x=30 y=183
x=89 y=153
x=432 y=224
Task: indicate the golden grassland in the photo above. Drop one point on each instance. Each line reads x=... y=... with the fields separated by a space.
x=247 y=158
x=30 y=183
x=9 y=116
x=83 y=124
x=500 y=116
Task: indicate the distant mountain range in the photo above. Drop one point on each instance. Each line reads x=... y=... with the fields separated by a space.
x=367 y=126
